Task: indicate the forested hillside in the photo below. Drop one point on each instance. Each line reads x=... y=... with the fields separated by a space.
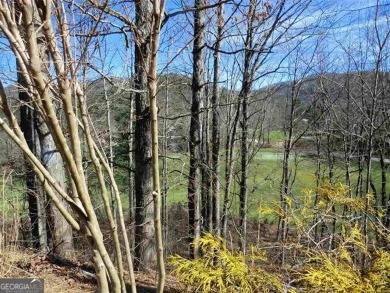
x=196 y=146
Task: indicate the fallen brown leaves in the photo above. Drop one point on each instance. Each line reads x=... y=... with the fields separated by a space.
x=63 y=278
x=15 y=263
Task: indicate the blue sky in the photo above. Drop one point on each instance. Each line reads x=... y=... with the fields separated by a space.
x=341 y=30
x=338 y=28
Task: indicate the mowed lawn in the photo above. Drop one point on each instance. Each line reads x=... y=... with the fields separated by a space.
x=12 y=197
x=264 y=178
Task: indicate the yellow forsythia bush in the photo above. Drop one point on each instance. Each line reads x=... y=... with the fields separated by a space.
x=219 y=270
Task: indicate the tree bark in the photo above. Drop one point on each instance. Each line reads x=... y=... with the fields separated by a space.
x=33 y=191
x=229 y=165
x=215 y=141
x=244 y=164
x=58 y=228
x=194 y=188
x=247 y=80
x=206 y=199
x=158 y=12
x=144 y=232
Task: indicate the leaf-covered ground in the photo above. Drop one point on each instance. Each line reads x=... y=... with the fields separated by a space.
x=63 y=276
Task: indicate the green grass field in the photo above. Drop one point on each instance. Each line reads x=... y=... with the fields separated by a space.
x=12 y=199
x=264 y=176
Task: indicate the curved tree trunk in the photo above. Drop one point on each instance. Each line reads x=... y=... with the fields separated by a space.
x=60 y=231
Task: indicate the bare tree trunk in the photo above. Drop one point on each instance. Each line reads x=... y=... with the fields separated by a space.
x=215 y=127
x=144 y=232
x=383 y=181
x=110 y=141
x=229 y=164
x=131 y=176
x=51 y=224
x=158 y=12
x=60 y=230
x=130 y=146
x=35 y=195
x=318 y=181
x=33 y=191
x=194 y=181
x=330 y=155
x=244 y=171
x=206 y=200
x=247 y=80
x=359 y=184
x=165 y=166
x=285 y=182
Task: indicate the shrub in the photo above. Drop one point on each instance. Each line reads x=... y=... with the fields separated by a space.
x=220 y=270
x=336 y=271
